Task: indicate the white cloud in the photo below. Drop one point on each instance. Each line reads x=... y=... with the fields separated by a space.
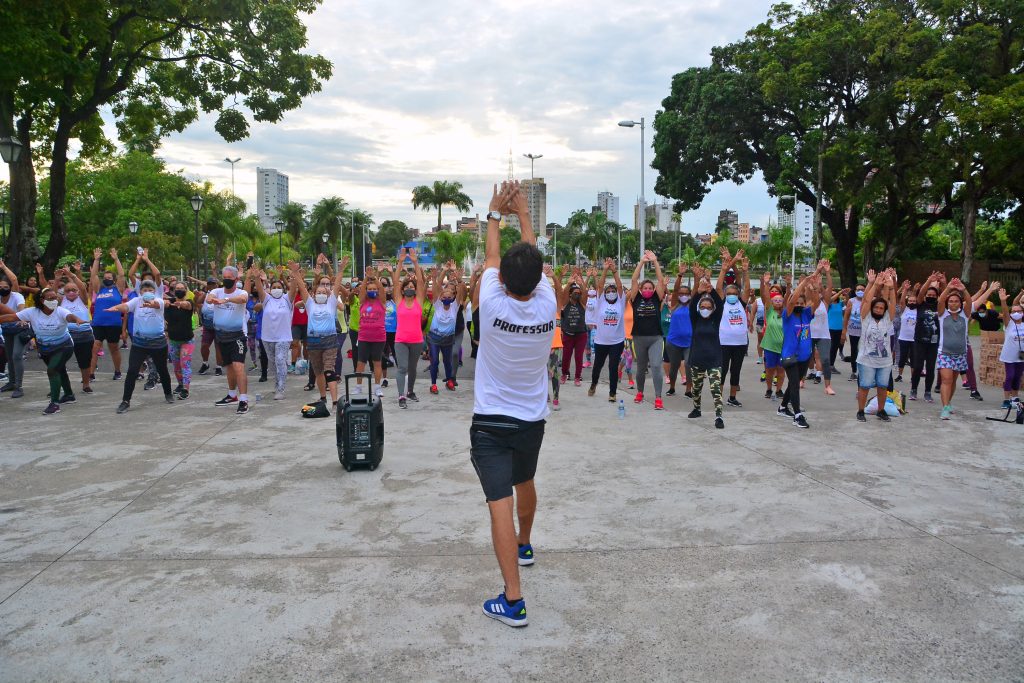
x=425 y=90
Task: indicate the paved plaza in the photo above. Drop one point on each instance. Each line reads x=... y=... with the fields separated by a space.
x=187 y=543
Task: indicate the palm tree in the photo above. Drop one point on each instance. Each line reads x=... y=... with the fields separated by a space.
x=597 y=235
x=452 y=246
x=441 y=193
x=363 y=221
x=294 y=216
x=328 y=216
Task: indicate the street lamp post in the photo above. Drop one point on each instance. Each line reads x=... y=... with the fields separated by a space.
x=10 y=152
x=197 y=206
x=279 y=226
x=642 y=213
x=324 y=238
x=618 y=237
x=532 y=158
x=206 y=254
x=3 y=231
x=352 y=218
x=792 y=262
x=133 y=227
x=232 y=162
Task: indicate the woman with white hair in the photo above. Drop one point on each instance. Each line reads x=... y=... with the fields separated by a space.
x=148 y=340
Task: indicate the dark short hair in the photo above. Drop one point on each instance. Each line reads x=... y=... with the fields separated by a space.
x=521 y=268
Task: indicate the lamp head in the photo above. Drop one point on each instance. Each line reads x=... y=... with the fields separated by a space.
x=10 y=150
x=627 y=124
x=280 y=226
x=206 y=239
x=197 y=203
x=133 y=227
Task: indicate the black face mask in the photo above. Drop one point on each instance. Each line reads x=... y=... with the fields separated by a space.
x=4 y=291
x=108 y=281
x=409 y=292
x=228 y=283
x=797 y=310
x=912 y=306
x=179 y=294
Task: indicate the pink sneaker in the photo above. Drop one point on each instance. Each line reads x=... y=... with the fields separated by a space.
x=554 y=405
x=100 y=353
x=577 y=381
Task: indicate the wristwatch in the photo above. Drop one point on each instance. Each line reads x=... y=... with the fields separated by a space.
x=496 y=215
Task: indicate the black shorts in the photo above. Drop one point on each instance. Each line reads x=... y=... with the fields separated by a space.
x=367 y=351
x=504 y=452
x=232 y=350
x=83 y=354
x=107 y=333
x=298 y=332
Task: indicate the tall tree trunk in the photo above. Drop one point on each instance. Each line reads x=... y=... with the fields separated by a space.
x=439 y=218
x=22 y=246
x=970 y=208
x=845 y=236
x=58 y=195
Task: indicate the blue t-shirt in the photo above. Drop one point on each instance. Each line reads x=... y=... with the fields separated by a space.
x=390 y=316
x=107 y=297
x=131 y=316
x=680 y=331
x=835 y=316
x=796 y=334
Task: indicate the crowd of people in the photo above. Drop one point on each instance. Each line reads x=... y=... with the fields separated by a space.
x=663 y=333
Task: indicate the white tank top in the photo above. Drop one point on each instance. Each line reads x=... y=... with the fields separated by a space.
x=732 y=330
x=1013 y=343
x=908 y=321
x=819 y=323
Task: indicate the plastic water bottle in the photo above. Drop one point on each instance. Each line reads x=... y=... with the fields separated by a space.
x=622 y=409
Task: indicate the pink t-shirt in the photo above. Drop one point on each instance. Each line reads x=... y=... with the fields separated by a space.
x=410 y=323
x=371 y=321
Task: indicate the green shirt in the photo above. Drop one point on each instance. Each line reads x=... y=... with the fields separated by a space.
x=772 y=340
x=666 y=318
x=353 y=313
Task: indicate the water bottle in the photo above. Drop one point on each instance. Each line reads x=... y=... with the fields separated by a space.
x=622 y=409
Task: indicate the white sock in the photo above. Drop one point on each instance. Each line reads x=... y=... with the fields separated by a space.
x=243 y=397
x=232 y=393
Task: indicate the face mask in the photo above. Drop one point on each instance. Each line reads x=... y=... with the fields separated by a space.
x=912 y=307
x=60 y=292
x=5 y=291
x=447 y=301
x=732 y=298
x=591 y=292
x=179 y=294
x=277 y=292
x=647 y=294
x=930 y=299
x=408 y=293
x=797 y=310
x=611 y=298
x=704 y=312
x=1017 y=317
x=228 y=283
x=372 y=294
x=148 y=296
x=684 y=298
x=321 y=298
x=860 y=294
x=51 y=304
x=982 y=314
x=108 y=282
x=777 y=302
x=575 y=296
x=954 y=309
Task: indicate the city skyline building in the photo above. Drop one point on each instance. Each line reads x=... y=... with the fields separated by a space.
x=802 y=221
x=271 y=194
x=730 y=218
x=662 y=214
x=537 y=199
x=608 y=204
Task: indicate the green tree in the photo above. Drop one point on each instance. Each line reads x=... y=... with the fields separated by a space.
x=441 y=193
x=327 y=216
x=597 y=236
x=453 y=246
x=154 y=67
x=390 y=237
x=293 y=214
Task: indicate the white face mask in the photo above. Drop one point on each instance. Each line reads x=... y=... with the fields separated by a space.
x=683 y=298
x=611 y=298
x=51 y=304
x=321 y=298
x=277 y=293
x=1017 y=317
x=704 y=312
x=591 y=292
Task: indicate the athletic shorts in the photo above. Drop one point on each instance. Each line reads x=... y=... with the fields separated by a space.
x=369 y=351
x=504 y=452
x=83 y=354
x=233 y=350
x=209 y=336
x=298 y=332
x=871 y=378
x=107 y=333
x=956 y=362
x=772 y=359
x=321 y=360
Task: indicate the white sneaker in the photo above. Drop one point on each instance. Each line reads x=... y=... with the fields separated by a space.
x=379 y=392
x=278 y=395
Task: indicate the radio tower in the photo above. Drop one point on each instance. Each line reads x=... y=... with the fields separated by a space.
x=511 y=175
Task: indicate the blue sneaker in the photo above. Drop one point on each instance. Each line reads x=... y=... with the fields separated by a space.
x=525 y=555
x=512 y=615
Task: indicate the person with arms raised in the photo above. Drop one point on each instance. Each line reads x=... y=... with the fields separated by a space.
x=229 y=323
x=517 y=319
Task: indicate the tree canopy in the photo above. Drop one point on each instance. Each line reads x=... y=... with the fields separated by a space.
x=440 y=193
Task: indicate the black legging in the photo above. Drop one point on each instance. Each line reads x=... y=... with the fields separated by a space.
x=676 y=356
x=264 y=361
x=613 y=353
x=795 y=373
x=906 y=354
x=135 y=358
x=924 y=355
x=732 y=363
x=854 y=346
x=837 y=337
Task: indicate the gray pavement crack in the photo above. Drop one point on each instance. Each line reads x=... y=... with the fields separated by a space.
x=119 y=510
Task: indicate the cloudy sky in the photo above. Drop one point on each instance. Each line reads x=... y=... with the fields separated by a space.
x=430 y=90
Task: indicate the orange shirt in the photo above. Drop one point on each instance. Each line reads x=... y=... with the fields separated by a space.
x=629 y=319
x=556 y=340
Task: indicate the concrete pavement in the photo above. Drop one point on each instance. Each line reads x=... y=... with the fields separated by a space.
x=184 y=542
